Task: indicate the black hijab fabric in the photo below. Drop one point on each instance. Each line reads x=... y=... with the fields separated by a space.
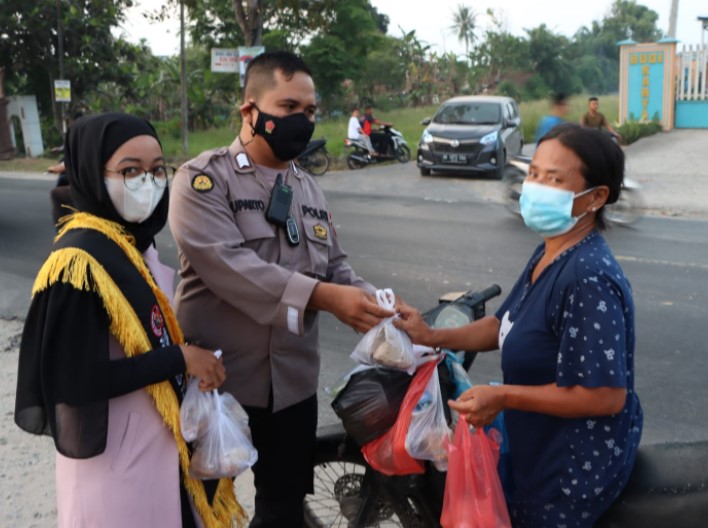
x=90 y=143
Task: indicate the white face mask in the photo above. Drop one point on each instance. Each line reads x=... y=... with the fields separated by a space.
x=134 y=205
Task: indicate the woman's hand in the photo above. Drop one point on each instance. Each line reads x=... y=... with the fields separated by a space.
x=411 y=322
x=203 y=364
x=480 y=404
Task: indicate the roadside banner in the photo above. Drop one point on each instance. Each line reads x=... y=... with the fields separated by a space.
x=224 y=60
x=245 y=56
x=62 y=91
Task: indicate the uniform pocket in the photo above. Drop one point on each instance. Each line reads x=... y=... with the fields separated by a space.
x=319 y=239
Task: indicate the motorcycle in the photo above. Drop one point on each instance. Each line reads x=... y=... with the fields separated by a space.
x=60 y=195
x=315 y=158
x=392 y=145
x=625 y=212
x=668 y=485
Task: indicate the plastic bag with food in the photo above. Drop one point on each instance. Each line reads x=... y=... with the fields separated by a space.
x=385 y=344
x=224 y=447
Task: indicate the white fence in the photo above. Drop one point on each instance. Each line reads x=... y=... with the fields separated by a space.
x=692 y=73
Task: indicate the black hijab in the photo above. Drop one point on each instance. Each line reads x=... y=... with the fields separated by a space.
x=89 y=144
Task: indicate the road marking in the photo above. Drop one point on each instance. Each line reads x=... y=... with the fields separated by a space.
x=663 y=262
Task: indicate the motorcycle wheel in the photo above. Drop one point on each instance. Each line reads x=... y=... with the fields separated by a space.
x=403 y=153
x=354 y=163
x=625 y=211
x=336 y=499
x=513 y=180
x=318 y=163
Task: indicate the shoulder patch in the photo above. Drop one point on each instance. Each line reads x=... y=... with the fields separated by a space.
x=202 y=183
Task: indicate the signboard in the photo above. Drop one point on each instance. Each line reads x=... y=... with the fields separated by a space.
x=62 y=91
x=245 y=56
x=224 y=60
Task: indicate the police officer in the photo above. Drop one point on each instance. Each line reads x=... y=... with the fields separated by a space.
x=258 y=259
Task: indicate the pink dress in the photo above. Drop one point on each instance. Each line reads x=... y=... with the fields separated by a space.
x=135 y=481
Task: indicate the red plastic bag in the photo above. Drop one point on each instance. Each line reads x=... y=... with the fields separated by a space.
x=387 y=454
x=474 y=497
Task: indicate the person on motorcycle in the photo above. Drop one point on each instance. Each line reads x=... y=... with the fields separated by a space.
x=555 y=117
x=378 y=139
x=566 y=335
x=355 y=131
x=593 y=118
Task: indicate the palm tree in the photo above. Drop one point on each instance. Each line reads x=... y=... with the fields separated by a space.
x=465 y=24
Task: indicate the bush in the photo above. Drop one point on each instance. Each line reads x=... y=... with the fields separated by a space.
x=633 y=130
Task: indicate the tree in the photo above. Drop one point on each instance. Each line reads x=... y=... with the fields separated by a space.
x=465 y=24
x=92 y=54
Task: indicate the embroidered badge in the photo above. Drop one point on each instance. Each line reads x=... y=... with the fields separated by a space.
x=156 y=322
x=242 y=160
x=269 y=127
x=320 y=231
x=202 y=183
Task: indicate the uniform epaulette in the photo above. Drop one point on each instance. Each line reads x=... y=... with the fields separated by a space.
x=205 y=158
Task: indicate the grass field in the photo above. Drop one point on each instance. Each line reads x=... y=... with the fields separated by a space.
x=407 y=120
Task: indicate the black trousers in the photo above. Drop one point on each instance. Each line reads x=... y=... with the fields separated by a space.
x=283 y=474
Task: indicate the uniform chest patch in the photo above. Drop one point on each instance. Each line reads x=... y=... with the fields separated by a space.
x=320 y=231
x=156 y=322
x=202 y=183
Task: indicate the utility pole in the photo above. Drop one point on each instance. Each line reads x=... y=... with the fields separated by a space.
x=60 y=58
x=672 y=18
x=183 y=83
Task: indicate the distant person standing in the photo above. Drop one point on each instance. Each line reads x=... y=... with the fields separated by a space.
x=555 y=117
x=593 y=118
x=356 y=132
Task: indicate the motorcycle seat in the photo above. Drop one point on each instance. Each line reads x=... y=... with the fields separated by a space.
x=668 y=488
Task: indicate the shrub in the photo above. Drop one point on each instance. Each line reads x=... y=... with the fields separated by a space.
x=633 y=130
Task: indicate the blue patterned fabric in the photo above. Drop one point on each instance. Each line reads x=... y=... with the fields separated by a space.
x=573 y=326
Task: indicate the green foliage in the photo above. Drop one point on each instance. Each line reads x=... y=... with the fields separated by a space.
x=632 y=130
x=509 y=89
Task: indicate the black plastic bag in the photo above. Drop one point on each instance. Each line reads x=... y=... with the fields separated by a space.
x=368 y=404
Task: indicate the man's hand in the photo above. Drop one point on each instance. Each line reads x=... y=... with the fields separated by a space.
x=353 y=306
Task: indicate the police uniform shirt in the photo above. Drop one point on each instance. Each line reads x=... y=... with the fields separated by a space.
x=243 y=287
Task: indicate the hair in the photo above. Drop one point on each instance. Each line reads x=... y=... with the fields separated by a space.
x=593 y=98
x=558 y=98
x=355 y=108
x=369 y=107
x=602 y=160
x=260 y=74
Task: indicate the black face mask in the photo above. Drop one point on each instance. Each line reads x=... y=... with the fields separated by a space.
x=286 y=136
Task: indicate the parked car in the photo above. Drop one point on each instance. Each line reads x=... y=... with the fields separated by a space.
x=471 y=135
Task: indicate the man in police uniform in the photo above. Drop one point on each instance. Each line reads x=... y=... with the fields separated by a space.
x=258 y=259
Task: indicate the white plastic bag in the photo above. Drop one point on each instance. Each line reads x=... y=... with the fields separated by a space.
x=385 y=344
x=224 y=449
x=428 y=433
x=218 y=427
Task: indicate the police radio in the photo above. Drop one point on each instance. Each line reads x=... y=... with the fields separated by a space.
x=278 y=213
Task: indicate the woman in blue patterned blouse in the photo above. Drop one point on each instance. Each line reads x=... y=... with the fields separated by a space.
x=566 y=335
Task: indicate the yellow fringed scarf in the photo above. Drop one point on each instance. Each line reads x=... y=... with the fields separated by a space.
x=72 y=265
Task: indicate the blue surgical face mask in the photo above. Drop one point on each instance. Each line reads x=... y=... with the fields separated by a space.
x=548 y=210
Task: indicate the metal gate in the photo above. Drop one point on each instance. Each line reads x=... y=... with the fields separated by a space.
x=692 y=87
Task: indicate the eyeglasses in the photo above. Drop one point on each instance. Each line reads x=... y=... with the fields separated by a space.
x=134 y=177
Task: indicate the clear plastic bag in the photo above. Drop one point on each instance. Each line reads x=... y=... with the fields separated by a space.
x=385 y=344
x=194 y=412
x=222 y=447
x=428 y=433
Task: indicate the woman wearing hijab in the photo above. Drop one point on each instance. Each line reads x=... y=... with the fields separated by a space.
x=101 y=364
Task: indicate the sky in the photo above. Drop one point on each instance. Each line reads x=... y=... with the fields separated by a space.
x=433 y=19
